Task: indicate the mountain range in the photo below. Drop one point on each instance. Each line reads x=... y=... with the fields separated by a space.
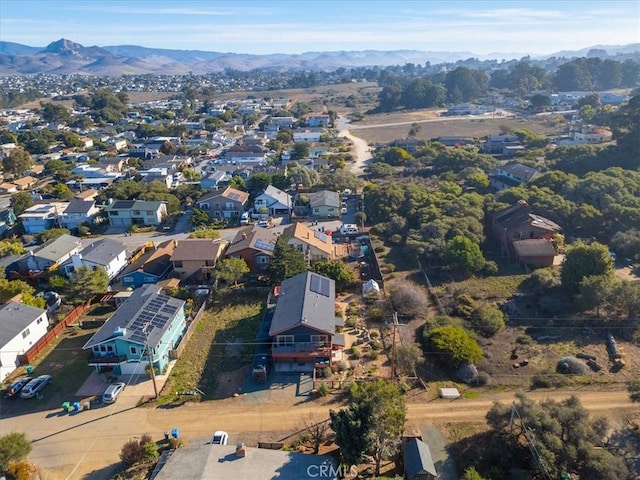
x=67 y=57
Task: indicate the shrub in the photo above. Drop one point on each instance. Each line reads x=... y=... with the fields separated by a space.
x=131 y=453
x=456 y=342
x=325 y=372
x=21 y=471
x=572 y=365
x=524 y=340
x=351 y=322
x=409 y=300
x=490 y=267
x=175 y=443
x=14 y=447
x=376 y=314
x=488 y=320
x=372 y=355
x=149 y=451
x=379 y=249
x=355 y=352
x=395 y=239
x=323 y=390
x=376 y=345
x=343 y=366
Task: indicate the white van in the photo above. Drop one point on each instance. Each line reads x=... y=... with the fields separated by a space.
x=348 y=228
x=244 y=218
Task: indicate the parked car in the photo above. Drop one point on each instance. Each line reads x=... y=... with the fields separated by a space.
x=13 y=390
x=220 y=438
x=344 y=210
x=34 y=387
x=263 y=223
x=111 y=393
x=244 y=218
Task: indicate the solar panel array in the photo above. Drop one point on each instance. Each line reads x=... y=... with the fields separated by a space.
x=156 y=314
x=265 y=245
x=320 y=285
x=124 y=204
x=233 y=195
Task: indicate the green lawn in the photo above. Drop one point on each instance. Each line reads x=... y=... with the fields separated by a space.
x=221 y=342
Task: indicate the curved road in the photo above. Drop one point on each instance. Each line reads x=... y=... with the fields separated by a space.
x=362 y=152
x=74 y=446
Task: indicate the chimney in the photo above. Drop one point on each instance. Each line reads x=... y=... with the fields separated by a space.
x=241 y=450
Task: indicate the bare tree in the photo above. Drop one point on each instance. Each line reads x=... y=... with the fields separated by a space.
x=317 y=428
x=409 y=300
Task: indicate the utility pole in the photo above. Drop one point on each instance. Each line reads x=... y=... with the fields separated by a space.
x=150 y=358
x=395 y=326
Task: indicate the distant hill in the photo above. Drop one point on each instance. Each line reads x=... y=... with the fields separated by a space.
x=65 y=57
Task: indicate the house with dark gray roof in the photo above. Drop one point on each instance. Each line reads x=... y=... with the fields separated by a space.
x=21 y=326
x=42 y=260
x=324 y=204
x=303 y=329
x=255 y=245
x=511 y=175
x=147 y=322
x=418 y=463
x=227 y=204
x=77 y=212
x=104 y=252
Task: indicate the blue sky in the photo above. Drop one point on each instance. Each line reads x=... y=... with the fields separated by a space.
x=296 y=26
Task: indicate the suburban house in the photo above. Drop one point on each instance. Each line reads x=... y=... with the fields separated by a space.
x=511 y=175
x=591 y=134
x=307 y=135
x=77 y=212
x=317 y=120
x=535 y=252
x=496 y=143
x=245 y=157
x=22 y=326
x=255 y=246
x=282 y=122
x=410 y=144
x=24 y=183
x=418 y=462
x=197 y=257
x=113 y=164
x=86 y=195
x=41 y=217
x=518 y=223
x=104 y=252
x=324 y=204
x=273 y=202
x=8 y=188
x=303 y=328
x=215 y=180
x=228 y=204
x=146 y=323
x=90 y=183
x=314 y=244
x=237 y=461
x=125 y=213
x=151 y=267
x=42 y=260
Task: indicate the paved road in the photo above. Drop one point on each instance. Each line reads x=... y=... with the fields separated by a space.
x=71 y=447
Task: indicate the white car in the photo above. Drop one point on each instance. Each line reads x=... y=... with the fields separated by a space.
x=111 y=393
x=220 y=438
x=34 y=387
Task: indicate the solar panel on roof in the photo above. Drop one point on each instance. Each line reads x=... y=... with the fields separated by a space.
x=233 y=195
x=320 y=236
x=320 y=285
x=124 y=204
x=265 y=245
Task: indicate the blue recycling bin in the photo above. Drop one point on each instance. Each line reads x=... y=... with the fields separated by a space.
x=76 y=406
x=175 y=433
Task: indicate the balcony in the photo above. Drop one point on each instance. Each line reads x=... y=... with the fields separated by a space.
x=302 y=349
x=102 y=361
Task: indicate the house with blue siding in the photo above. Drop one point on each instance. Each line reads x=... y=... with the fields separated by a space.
x=151 y=267
x=303 y=329
x=147 y=323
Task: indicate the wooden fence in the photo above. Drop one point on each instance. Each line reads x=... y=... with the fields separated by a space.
x=41 y=344
x=175 y=353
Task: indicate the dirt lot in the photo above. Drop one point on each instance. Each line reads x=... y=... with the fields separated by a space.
x=397 y=125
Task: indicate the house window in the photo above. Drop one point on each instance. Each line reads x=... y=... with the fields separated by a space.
x=39 y=321
x=262 y=259
x=114 y=213
x=204 y=206
x=133 y=350
x=25 y=334
x=319 y=340
x=109 y=348
x=210 y=263
x=136 y=212
x=150 y=213
x=103 y=348
x=127 y=280
x=216 y=213
x=177 y=264
x=316 y=210
x=285 y=340
x=96 y=348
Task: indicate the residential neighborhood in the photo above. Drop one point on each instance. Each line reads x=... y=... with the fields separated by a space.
x=350 y=275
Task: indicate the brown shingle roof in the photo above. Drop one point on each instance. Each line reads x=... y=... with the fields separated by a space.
x=198 y=249
x=257 y=238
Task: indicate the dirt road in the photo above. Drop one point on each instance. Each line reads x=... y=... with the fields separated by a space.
x=361 y=151
x=87 y=445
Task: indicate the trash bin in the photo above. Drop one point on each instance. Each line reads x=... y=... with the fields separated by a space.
x=87 y=405
x=174 y=433
x=166 y=436
x=29 y=369
x=66 y=406
x=76 y=406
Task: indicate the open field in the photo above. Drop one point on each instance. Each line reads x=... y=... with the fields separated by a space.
x=394 y=126
x=134 y=97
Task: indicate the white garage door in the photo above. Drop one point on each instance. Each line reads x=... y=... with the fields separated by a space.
x=133 y=368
